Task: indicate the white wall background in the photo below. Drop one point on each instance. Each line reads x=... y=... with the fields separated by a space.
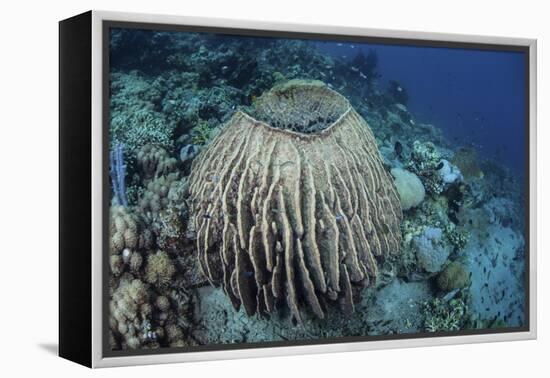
x=28 y=190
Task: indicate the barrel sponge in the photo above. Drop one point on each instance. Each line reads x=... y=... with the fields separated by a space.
x=410 y=188
x=293 y=207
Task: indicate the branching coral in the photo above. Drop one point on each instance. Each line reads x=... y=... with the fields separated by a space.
x=440 y=315
x=298 y=213
x=458 y=237
x=134 y=120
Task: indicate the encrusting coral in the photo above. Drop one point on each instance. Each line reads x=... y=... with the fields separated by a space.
x=294 y=205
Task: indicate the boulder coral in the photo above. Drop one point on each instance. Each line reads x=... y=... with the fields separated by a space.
x=292 y=206
x=410 y=188
x=467 y=161
x=454 y=276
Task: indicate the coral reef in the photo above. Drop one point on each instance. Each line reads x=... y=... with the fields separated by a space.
x=432 y=252
x=131 y=313
x=425 y=161
x=442 y=315
x=159 y=269
x=454 y=276
x=154 y=161
x=160 y=192
x=286 y=216
x=201 y=133
x=128 y=231
x=134 y=120
x=410 y=188
x=467 y=161
x=217 y=179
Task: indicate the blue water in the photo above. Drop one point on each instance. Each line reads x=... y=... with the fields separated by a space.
x=477 y=97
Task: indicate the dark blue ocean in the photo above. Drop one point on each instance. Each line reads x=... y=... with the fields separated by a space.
x=477 y=97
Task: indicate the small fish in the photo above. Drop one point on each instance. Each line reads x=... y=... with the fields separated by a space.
x=248 y=274
x=339 y=217
x=362 y=75
x=439 y=166
x=339 y=44
x=399 y=89
x=398 y=148
x=352 y=46
x=354 y=69
x=224 y=68
x=207 y=216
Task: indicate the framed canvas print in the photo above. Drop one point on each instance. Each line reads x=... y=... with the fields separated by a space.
x=235 y=189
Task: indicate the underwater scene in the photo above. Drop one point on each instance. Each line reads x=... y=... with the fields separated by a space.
x=270 y=189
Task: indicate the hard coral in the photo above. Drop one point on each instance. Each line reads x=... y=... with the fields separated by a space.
x=159 y=269
x=454 y=276
x=129 y=312
x=154 y=161
x=294 y=206
x=128 y=231
x=425 y=161
x=159 y=193
x=467 y=161
x=410 y=188
x=431 y=252
x=440 y=315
